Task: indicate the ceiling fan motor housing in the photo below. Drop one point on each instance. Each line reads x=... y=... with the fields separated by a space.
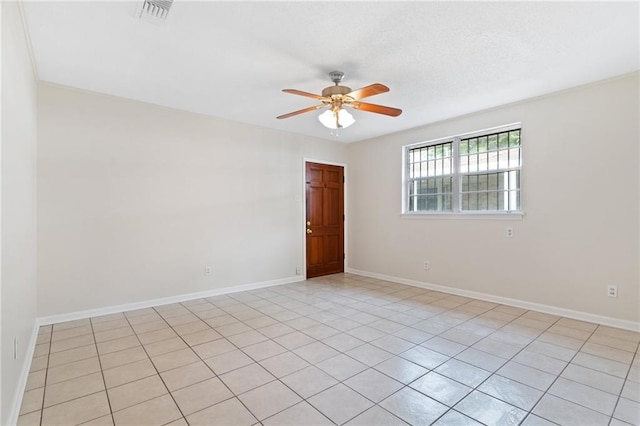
x=327 y=92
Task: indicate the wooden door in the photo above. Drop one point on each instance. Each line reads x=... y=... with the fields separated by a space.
x=325 y=219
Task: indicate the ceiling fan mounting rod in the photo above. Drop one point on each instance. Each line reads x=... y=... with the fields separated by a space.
x=336 y=76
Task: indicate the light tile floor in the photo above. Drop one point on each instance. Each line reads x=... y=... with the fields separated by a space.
x=342 y=349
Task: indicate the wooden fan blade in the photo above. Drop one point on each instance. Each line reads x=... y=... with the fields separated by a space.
x=365 y=92
x=307 y=94
x=302 y=111
x=379 y=109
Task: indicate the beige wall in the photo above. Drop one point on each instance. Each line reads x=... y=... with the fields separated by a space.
x=580 y=195
x=18 y=223
x=135 y=200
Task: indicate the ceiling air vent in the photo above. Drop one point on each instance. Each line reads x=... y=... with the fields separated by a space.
x=155 y=10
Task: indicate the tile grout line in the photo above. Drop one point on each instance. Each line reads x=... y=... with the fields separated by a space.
x=257 y=362
x=102 y=373
x=66 y=380
x=395 y=355
x=157 y=372
x=204 y=362
x=558 y=376
x=429 y=370
x=492 y=373
x=46 y=375
x=530 y=411
x=626 y=378
x=451 y=408
x=292 y=300
x=538 y=336
x=303 y=399
x=368 y=367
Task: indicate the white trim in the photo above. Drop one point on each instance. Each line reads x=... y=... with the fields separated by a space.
x=458 y=216
x=306 y=160
x=554 y=310
x=27 y=36
x=24 y=375
x=466 y=135
x=53 y=319
x=16 y=403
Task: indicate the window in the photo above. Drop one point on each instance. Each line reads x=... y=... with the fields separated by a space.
x=471 y=173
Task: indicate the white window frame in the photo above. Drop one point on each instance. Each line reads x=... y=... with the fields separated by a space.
x=456 y=212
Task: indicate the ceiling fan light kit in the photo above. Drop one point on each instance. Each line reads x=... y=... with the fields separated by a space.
x=336 y=97
x=340 y=119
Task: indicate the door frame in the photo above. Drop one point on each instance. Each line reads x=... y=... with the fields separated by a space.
x=303 y=210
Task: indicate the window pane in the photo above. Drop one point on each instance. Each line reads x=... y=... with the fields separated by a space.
x=492 y=181
x=491 y=191
x=482 y=144
x=488 y=175
x=473 y=201
x=482 y=182
x=464 y=164
x=493 y=201
x=473 y=163
x=473 y=183
x=501 y=199
x=483 y=160
x=464 y=147
x=503 y=159
x=447 y=169
x=431 y=194
x=514 y=157
x=473 y=146
x=503 y=140
x=430 y=160
x=430 y=186
x=493 y=142
x=433 y=203
x=514 y=138
x=482 y=201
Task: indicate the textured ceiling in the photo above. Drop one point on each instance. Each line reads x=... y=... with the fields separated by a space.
x=231 y=59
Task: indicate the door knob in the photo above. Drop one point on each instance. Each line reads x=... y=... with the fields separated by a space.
x=309 y=231
x=308 y=223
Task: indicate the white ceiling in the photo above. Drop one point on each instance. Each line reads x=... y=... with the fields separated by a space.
x=231 y=59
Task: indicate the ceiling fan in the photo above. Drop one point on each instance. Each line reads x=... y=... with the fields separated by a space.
x=337 y=96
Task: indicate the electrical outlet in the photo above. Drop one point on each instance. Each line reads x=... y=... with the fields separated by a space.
x=509 y=232
x=15 y=348
x=426 y=265
x=298 y=270
x=612 y=290
x=208 y=270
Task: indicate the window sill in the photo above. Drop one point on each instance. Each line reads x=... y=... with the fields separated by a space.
x=464 y=216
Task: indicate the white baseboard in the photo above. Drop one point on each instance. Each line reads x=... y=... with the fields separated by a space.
x=53 y=319
x=24 y=376
x=548 y=309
